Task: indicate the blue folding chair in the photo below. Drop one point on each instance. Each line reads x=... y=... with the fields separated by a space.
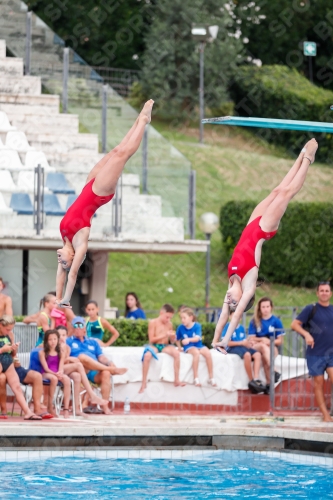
x=57 y=183
x=52 y=205
x=21 y=203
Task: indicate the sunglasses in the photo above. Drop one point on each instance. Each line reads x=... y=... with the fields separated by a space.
x=324 y=283
x=78 y=325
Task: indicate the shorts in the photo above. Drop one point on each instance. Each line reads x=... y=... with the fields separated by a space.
x=160 y=347
x=22 y=373
x=6 y=360
x=187 y=347
x=91 y=375
x=241 y=351
x=318 y=364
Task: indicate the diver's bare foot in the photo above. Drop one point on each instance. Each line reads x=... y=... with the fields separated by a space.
x=179 y=384
x=310 y=150
x=147 y=109
x=118 y=371
x=96 y=400
x=142 y=389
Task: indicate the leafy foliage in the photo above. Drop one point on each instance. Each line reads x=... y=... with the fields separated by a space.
x=170 y=72
x=135 y=333
x=281 y=92
x=276 y=31
x=302 y=251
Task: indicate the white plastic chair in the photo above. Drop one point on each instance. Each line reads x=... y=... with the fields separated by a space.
x=25 y=182
x=16 y=139
x=35 y=158
x=6 y=182
x=10 y=160
x=5 y=126
x=4 y=210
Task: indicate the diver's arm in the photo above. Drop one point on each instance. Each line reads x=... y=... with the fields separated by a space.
x=80 y=253
x=61 y=278
x=222 y=321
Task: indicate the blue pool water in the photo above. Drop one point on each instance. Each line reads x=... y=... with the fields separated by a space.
x=223 y=476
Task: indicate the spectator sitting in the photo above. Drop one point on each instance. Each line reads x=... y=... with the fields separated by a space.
x=8 y=350
x=6 y=306
x=60 y=315
x=44 y=320
x=263 y=326
x=90 y=353
x=315 y=324
x=242 y=346
x=74 y=369
x=189 y=334
x=161 y=333
x=133 y=309
x=52 y=359
x=97 y=326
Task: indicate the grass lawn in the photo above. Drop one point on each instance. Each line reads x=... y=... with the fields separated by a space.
x=231 y=165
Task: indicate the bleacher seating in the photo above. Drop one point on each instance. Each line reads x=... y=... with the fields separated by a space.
x=52 y=205
x=5 y=126
x=15 y=139
x=4 y=210
x=25 y=182
x=21 y=203
x=35 y=158
x=57 y=183
x=70 y=200
x=6 y=182
x=10 y=160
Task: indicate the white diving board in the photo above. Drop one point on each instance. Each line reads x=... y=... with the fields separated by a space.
x=240 y=121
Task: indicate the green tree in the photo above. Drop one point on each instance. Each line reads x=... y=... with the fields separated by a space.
x=103 y=32
x=276 y=31
x=170 y=72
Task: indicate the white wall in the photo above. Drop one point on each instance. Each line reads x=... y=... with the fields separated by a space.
x=11 y=271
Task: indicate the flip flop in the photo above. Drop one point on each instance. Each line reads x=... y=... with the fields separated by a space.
x=33 y=417
x=46 y=415
x=3 y=416
x=88 y=410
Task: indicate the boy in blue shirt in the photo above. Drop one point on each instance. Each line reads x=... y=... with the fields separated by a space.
x=240 y=345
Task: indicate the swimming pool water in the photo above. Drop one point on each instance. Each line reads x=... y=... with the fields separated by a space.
x=219 y=476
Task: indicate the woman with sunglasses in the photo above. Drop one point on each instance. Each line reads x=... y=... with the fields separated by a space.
x=99 y=190
x=263 y=224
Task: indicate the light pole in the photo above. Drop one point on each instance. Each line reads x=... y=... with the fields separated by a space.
x=203 y=33
x=208 y=224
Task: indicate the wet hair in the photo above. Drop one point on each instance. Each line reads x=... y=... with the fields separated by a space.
x=92 y=302
x=188 y=311
x=46 y=298
x=46 y=343
x=62 y=327
x=168 y=308
x=138 y=304
x=257 y=317
x=7 y=320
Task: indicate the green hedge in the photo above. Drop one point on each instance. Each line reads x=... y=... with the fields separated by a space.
x=280 y=92
x=135 y=333
x=300 y=254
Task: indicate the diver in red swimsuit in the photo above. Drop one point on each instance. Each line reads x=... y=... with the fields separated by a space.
x=263 y=224
x=99 y=189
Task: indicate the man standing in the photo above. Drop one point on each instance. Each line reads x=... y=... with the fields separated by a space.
x=90 y=353
x=315 y=324
x=6 y=306
x=160 y=334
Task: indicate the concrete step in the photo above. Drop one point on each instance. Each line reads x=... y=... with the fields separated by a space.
x=33 y=123
x=37 y=104
x=11 y=67
x=2 y=49
x=16 y=222
x=58 y=144
x=74 y=161
x=20 y=85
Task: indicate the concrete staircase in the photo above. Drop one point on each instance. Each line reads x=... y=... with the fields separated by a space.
x=74 y=154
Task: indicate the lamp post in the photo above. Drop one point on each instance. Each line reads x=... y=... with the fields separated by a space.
x=208 y=224
x=203 y=33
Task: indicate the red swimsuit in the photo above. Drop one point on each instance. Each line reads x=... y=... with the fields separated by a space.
x=243 y=258
x=79 y=214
